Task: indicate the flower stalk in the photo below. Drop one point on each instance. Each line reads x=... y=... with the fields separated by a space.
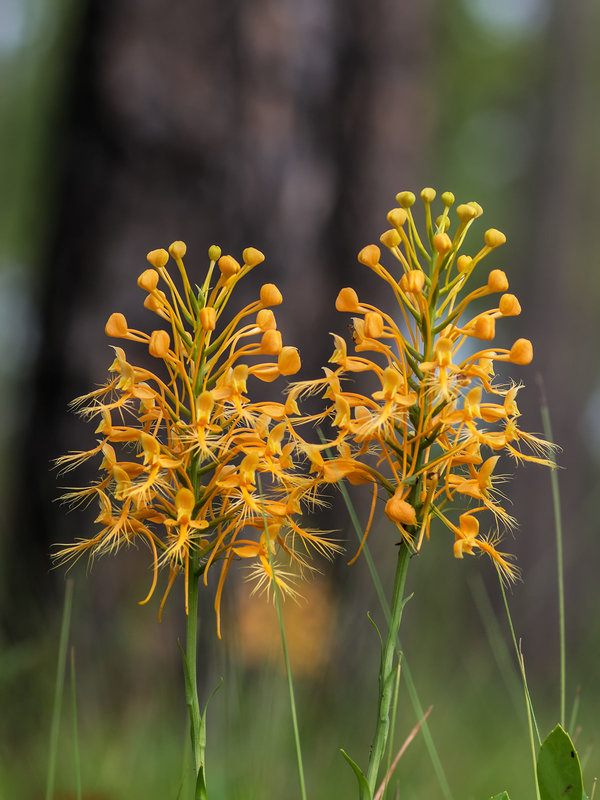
x=191 y=674
x=388 y=669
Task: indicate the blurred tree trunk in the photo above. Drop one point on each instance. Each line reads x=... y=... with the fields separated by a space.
x=286 y=126
x=561 y=293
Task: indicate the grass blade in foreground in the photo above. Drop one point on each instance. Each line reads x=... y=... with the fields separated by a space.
x=559 y=556
x=59 y=688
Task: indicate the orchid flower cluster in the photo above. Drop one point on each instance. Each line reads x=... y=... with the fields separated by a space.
x=429 y=435
x=181 y=450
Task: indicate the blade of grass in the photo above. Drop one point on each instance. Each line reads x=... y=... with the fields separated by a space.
x=76 y=759
x=545 y=412
x=59 y=688
x=286 y=657
x=520 y=662
x=574 y=712
x=530 y=718
x=497 y=641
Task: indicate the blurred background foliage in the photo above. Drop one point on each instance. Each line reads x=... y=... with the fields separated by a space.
x=290 y=127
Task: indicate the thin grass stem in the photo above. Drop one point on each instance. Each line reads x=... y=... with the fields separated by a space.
x=529 y=704
x=574 y=711
x=76 y=758
x=530 y=720
x=286 y=656
x=545 y=412
x=59 y=688
x=497 y=642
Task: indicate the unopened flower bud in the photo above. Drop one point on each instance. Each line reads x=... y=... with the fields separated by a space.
x=397 y=217
x=148 y=280
x=178 y=249
x=463 y=262
x=443 y=222
x=369 y=255
x=265 y=320
x=509 y=306
x=214 y=252
x=252 y=256
x=152 y=303
x=158 y=258
x=428 y=195
x=497 y=281
x=373 y=324
x=466 y=212
x=228 y=266
x=413 y=281
x=521 y=352
x=208 y=318
x=159 y=344
x=485 y=327
x=347 y=300
x=270 y=295
x=116 y=325
x=442 y=243
x=405 y=199
x=447 y=199
x=267 y=373
x=399 y=511
x=271 y=344
x=288 y=361
x=390 y=238
x=494 y=238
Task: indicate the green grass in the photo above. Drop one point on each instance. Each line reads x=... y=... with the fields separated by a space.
x=132 y=718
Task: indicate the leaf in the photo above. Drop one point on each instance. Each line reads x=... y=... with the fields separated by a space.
x=501 y=796
x=200 y=793
x=364 y=793
x=202 y=731
x=558 y=768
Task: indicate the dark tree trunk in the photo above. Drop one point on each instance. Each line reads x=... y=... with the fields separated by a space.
x=289 y=127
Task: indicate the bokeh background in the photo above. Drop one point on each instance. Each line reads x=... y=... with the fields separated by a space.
x=290 y=126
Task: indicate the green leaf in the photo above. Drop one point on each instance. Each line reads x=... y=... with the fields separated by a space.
x=558 y=768
x=200 y=793
x=501 y=796
x=202 y=731
x=364 y=793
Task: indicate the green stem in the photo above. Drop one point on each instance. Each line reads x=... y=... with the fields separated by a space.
x=59 y=688
x=191 y=682
x=408 y=679
x=76 y=759
x=387 y=670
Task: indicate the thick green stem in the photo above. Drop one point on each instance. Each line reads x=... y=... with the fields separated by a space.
x=387 y=670
x=191 y=678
